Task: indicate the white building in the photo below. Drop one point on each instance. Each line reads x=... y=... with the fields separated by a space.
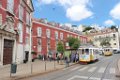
x=112 y=35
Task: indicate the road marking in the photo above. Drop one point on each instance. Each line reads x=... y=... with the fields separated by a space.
x=83 y=68
x=76 y=76
x=92 y=69
x=107 y=79
x=94 y=78
x=101 y=70
x=112 y=70
x=85 y=77
x=75 y=68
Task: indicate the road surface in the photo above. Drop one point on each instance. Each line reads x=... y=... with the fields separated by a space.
x=104 y=69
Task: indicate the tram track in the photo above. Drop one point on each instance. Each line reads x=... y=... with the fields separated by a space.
x=104 y=74
x=103 y=59
x=111 y=62
x=82 y=66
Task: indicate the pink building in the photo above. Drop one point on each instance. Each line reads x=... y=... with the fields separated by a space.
x=15 y=19
x=45 y=36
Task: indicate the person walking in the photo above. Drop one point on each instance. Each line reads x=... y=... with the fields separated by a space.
x=76 y=57
x=67 y=62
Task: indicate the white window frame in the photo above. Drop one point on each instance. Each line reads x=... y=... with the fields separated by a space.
x=10 y=5
x=48 y=33
x=39 y=31
x=28 y=18
x=21 y=10
x=27 y=29
x=39 y=46
x=0 y=19
x=20 y=28
x=61 y=36
x=68 y=35
x=27 y=40
x=0 y=3
x=56 y=34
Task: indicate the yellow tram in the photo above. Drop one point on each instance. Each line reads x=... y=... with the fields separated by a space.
x=88 y=54
x=107 y=51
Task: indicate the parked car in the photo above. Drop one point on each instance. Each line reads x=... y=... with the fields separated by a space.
x=116 y=51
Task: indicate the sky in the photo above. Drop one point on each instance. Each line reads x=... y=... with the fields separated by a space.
x=79 y=12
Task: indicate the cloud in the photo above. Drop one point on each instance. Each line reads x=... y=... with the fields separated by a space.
x=78 y=13
x=46 y=1
x=109 y=22
x=76 y=10
x=115 y=12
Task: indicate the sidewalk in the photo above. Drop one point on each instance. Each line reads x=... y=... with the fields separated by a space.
x=30 y=69
x=118 y=68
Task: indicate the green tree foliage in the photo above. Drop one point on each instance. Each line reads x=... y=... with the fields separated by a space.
x=60 y=47
x=105 y=42
x=74 y=43
x=87 y=28
x=114 y=27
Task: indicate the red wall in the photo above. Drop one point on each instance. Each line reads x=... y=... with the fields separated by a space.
x=36 y=24
x=4 y=12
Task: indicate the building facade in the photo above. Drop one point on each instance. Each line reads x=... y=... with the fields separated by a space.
x=45 y=36
x=110 y=34
x=15 y=19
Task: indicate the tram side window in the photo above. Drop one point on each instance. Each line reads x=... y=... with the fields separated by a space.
x=87 y=51
x=82 y=51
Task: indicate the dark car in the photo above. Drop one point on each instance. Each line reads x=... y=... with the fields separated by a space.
x=116 y=51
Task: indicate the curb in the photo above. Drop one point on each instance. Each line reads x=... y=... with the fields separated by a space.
x=118 y=69
x=37 y=74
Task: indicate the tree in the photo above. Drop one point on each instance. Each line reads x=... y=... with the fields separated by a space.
x=105 y=42
x=60 y=47
x=74 y=43
x=87 y=28
x=114 y=27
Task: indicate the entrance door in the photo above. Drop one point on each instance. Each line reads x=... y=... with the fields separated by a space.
x=8 y=50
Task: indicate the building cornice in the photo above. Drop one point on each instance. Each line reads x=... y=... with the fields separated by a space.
x=55 y=27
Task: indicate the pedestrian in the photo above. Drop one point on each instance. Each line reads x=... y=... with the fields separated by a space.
x=67 y=62
x=58 y=59
x=76 y=57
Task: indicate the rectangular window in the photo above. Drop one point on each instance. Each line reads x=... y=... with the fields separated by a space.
x=20 y=29
x=114 y=43
x=68 y=35
x=56 y=34
x=0 y=19
x=27 y=40
x=39 y=31
x=114 y=35
x=61 y=36
x=0 y=3
x=20 y=12
x=27 y=18
x=39 y=45
x=27 y=30
x=10 y=5
x=48 y=33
